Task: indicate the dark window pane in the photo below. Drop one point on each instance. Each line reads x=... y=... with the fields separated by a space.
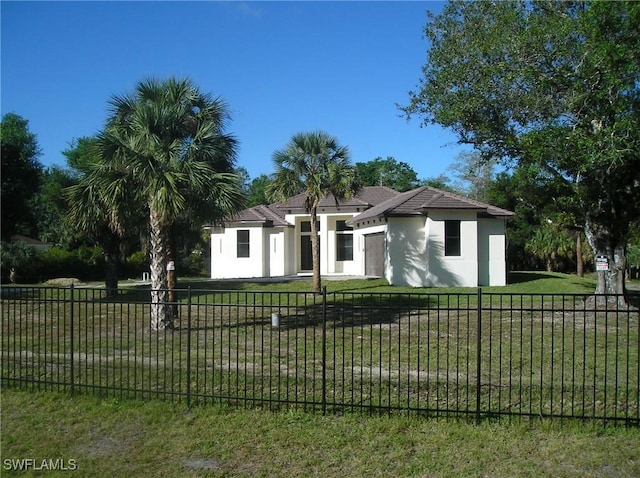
x=305 y=226
x=345 y=247
x=342 y=226
x=243 y=243
x=452 y=238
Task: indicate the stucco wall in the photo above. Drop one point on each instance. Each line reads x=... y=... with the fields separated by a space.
x=452 y=271
x=224 y=261
x=415 y=251
x=491 y=252
x=406 y=251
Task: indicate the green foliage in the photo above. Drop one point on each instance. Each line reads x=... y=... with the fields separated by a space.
x=387 y=172
x=19 y=262
x=257 y=191
x=172 y=127
x=551 y=85
x=316 y=165
x=31 y=265
x=51 y=209
x=474 y=174
x=135 y=264
x=550 y=244
x=20 y=175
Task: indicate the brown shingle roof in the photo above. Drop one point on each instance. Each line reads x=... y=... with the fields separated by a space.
x=420 y=200
x=379 y=201
x=367 y=196
x=266 y=215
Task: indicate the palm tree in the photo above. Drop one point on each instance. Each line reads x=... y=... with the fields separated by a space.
x=548 y=243
x=102 y=215
x=313 y=164
x=166 y=140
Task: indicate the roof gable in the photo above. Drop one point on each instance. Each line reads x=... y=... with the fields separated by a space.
x=377 y=201
x=273 y=215
x=268 y=216
x=419 y=201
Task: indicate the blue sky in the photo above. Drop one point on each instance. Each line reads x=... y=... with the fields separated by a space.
x=282 y=68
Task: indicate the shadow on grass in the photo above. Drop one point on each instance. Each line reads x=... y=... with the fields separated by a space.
x=521 y=277
x=344 y=310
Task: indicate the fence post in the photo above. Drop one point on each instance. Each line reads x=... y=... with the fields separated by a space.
x=479 y=356
x=324 y=350
x=72 y=326
x=189 y=347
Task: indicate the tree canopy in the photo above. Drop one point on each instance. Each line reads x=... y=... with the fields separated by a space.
x=166 y=144
x=553 y=84
x=20 y=173
x=387 y=172
x=314 y=164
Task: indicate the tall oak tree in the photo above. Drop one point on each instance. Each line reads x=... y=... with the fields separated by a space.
x=556 y=84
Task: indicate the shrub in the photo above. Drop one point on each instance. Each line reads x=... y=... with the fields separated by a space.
x=135 y=265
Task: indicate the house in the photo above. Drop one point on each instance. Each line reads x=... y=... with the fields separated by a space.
x=425 y=237
x=30 y=242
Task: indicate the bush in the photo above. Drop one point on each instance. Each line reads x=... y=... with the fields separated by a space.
x=31 y=265
x=19 y=262
x=135 y=265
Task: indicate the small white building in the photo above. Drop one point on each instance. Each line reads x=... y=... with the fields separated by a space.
x=421 y=238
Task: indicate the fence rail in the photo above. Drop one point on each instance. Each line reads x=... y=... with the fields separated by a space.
x=472 y=354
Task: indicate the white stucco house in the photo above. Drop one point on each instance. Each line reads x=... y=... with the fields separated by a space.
x=425 y=237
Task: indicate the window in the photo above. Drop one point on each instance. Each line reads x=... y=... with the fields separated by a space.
x=305 y=226
x=452 y=238
x=342 y=226
x=344 y=244
x=242 y=241
x=344 y=241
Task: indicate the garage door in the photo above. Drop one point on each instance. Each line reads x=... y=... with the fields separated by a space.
x=374 y=254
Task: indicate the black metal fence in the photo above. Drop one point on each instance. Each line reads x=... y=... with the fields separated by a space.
x=473 y=354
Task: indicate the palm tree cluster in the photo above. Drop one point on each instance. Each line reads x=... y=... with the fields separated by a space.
x=164 y=158
x=163 y=153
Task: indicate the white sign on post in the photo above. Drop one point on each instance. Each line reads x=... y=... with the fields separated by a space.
x=171 y=266
x=602 y=263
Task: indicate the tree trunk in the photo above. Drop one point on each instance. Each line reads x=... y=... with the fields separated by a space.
x=579 y=261
x=111 y=261
x=172 y=275
x=159 y=253
x=315 y=250
x=610 y=284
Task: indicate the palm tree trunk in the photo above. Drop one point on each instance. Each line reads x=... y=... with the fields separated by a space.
x=315 y=250
x=111 y=262
x=159 y=253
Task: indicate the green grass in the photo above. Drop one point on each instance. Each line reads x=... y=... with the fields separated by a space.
x=384 y=350
x=108 y=434
x=519 y=282
x=151 y=439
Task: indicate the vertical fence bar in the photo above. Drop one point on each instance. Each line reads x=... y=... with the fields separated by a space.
x=479 y=356
x=189 y=347
x=324 y=350
x=71 y=325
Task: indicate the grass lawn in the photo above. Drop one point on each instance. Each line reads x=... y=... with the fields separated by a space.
x=119 y=437
x=519 y=282
x=133 y=438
